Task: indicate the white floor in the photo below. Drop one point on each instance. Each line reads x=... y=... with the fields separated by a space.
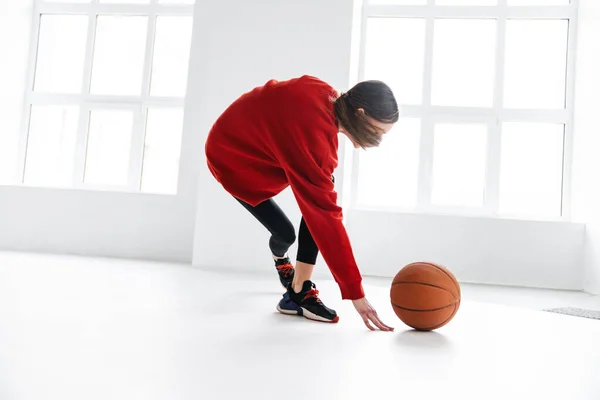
x=87 y=329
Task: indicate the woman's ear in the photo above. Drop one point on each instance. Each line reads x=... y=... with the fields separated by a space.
x=361 y=110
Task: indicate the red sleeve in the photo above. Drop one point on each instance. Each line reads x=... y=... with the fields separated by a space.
x=310 y=178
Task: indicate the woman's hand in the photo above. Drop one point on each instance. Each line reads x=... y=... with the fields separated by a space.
x=368 y=314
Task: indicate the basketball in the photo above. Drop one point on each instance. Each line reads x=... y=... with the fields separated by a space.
x=425 y=296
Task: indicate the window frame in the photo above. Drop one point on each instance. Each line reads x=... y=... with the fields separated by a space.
x=138 y=104
x=493 y=116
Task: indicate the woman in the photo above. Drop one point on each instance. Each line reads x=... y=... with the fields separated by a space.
x=285 y=133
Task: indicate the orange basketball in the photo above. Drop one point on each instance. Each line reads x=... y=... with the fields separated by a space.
x=425 y=296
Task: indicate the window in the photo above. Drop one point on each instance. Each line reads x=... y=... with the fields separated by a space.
x=485 y=91
x=106 y=93
x=400 y=154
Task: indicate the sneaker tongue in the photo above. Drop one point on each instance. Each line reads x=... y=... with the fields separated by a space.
x=282 y=261
x=307 y=285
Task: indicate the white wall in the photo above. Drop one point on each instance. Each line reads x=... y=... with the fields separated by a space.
x=96 y=223
x=477 y=250
x=586 y=168
x=83 y=222
x=239 y=45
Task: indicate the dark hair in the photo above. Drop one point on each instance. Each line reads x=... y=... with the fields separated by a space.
x=378 y=102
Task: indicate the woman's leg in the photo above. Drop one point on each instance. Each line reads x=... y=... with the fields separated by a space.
x=307 y=255
x=272 y=217
x=302 y=297
x=306 y=259
x=304 y=292
x=283 y=236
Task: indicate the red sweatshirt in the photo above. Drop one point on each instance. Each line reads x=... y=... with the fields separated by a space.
x=285 y=134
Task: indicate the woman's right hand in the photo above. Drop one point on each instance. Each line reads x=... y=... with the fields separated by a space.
x=368 y=314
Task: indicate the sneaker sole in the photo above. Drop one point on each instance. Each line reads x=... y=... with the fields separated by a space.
x=289 y=312
x=314 y=317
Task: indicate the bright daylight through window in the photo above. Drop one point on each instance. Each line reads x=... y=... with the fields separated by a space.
x=485 y=89
x=107 y=86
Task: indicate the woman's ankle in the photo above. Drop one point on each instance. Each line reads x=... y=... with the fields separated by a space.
x=303 y=273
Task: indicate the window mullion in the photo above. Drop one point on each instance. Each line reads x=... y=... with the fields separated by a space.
x=569 y=105
x=24 y=137
x=136 y=156
x=492 y=184
x=84 y=110
x=139 y=126
x=425 y=164
x=147 y=73
x=81 y=145
x=355 y=159
x=494 y=138
x=427 y=124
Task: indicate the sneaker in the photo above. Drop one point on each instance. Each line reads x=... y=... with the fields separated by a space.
x=287 y=306
x=312 y=307
x=285 y=269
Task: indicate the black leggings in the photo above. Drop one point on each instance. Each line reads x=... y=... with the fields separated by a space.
x=283 y=234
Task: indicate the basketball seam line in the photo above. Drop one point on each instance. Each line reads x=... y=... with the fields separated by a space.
x=447 y=319
x=432 y=309
x=443 y=272
x=426 y=284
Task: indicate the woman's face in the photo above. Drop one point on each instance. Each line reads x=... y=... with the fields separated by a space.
x=383 y=128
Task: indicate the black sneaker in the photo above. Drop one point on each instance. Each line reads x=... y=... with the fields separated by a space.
x=285 y=269
x=312 y=307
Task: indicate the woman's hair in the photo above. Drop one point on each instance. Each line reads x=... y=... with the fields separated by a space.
x=378 y=102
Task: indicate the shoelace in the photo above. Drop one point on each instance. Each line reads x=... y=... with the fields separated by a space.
x=287 y=269
x=312 y=293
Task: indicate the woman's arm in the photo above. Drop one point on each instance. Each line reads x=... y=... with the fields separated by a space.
x=311 y=181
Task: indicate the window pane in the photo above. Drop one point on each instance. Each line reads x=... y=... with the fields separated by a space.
x=119 y=55
x=171 y=56
x=395 y=54
x=388 y=175
x=459 y=164
x=464 y=62
x=61 y=53
x=531 y=169
x=109 y=145
x=161 y=151
x=538 y=2
x=536 y=64
x=51 y=145
x=466 y=2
